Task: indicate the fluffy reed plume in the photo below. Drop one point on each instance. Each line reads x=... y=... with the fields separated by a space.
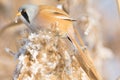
x=47 y=55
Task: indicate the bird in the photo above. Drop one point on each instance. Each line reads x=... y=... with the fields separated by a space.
x=38 y=17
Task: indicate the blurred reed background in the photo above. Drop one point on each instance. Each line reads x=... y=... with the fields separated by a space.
x=97 y=22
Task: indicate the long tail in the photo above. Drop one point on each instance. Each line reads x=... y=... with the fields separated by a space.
x=84 y=60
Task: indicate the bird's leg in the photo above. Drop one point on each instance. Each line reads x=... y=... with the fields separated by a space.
x=69 y=39
x=75 y=48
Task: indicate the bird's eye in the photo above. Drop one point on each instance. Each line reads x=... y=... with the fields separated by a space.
x=25 y=15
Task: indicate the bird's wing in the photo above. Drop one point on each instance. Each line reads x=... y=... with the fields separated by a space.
x=58 y=13
x=62 y=16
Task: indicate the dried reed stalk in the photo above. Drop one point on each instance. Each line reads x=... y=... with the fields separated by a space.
x=49 y=56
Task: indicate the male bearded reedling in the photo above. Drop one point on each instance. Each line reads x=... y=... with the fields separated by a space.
x=43 y=16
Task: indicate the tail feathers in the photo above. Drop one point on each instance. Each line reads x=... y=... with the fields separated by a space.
x=84 y=60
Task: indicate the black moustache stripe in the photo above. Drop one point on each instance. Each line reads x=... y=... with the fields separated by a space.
x=25 y=15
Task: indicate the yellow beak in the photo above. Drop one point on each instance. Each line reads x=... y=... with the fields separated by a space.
x=17 y=16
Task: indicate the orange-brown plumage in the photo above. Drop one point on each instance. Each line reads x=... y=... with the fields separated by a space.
x=45 y=16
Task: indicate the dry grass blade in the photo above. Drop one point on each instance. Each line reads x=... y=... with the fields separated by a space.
x=79 y=37
x=11 y=24
x=118 y=5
